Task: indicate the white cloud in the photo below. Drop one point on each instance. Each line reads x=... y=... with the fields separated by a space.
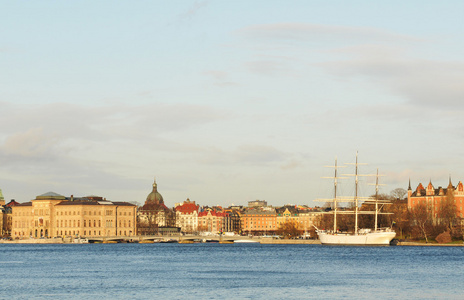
x=319 y=33
x=421 y=82
x=31 y=144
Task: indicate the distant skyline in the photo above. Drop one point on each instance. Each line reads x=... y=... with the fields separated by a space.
x=227 y=101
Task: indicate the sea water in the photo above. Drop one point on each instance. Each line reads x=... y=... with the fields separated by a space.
x=235 y=271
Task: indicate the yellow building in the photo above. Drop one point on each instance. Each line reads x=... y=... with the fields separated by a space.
x=285 y=214
x=53 y=215
x=258 y=221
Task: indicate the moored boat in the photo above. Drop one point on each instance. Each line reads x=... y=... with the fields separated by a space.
x=371 y=237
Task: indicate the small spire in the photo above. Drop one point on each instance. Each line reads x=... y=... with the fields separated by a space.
x=154 y=184
x=409 y=187
x=450 y=184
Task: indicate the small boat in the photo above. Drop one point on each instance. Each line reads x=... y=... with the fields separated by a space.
x=169 y=241
x=146 y=242
x=81 y=241
x=186 y=242
x=226 y=242
x=245 y=242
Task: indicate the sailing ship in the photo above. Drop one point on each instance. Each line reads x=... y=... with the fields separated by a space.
x=366 y=236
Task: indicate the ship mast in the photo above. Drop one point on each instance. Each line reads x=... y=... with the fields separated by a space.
x=335 y=197
x=356 y=196
x=376 y=199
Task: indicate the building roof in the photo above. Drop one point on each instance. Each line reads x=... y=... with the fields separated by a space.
x=213 y=213
x=67 y=203
x=187 y=207
x=420 y=191
x=23 y=204
x=258 y=212
x=50 y=195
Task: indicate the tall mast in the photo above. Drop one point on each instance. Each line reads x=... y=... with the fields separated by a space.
x=335 y=197
x=376 y=198
x=356 y=196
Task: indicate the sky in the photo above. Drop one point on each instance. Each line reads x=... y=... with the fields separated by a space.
x=226 y=102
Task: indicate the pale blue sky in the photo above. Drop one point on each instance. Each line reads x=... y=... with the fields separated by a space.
x=227 y=101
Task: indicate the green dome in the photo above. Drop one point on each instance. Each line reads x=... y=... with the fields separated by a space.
x=154 y=196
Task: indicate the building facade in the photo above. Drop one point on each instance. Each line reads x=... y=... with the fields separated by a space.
x=434 y=198
x=258 y=221
x=285 y=214
x=211 y=221
x=154 y=216
x=187 y=216
x=53 y=215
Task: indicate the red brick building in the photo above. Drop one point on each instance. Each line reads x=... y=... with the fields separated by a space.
x=434 y=198
x=211 y=221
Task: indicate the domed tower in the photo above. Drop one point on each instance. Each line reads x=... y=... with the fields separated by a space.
x=154 y=197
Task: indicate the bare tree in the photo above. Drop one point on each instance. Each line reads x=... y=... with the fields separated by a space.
x=400 y=216
x=421 y=218
x=447 y=210
x=399 y=193
x=289 y=229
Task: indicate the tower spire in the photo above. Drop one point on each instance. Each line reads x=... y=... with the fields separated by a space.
x=450 y=184
x=155 y=185
x=409 y=186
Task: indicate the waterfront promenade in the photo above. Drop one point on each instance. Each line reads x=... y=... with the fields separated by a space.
x=200 y=238
x=158 y=238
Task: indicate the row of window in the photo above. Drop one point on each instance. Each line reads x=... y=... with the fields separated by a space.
x=46 y=212
x=72 y=223
x=76 y=233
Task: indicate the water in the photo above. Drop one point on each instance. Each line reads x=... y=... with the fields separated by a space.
x=215 y=271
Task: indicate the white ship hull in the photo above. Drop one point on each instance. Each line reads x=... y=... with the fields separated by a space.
x=371 y=238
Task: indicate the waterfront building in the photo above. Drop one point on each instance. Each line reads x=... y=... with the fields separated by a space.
x=54 y=215
x=258 y=221
x=231 y=220
x=2 y=213
x=154 y=216
x=306 y=218
x=8 y=217
x=435 y=198
x=287 y=213
x=187 y=216
x=211 y=221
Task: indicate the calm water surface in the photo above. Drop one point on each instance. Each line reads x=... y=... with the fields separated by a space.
x=237 y=271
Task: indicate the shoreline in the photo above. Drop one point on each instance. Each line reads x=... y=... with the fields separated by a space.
x=264 y=241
